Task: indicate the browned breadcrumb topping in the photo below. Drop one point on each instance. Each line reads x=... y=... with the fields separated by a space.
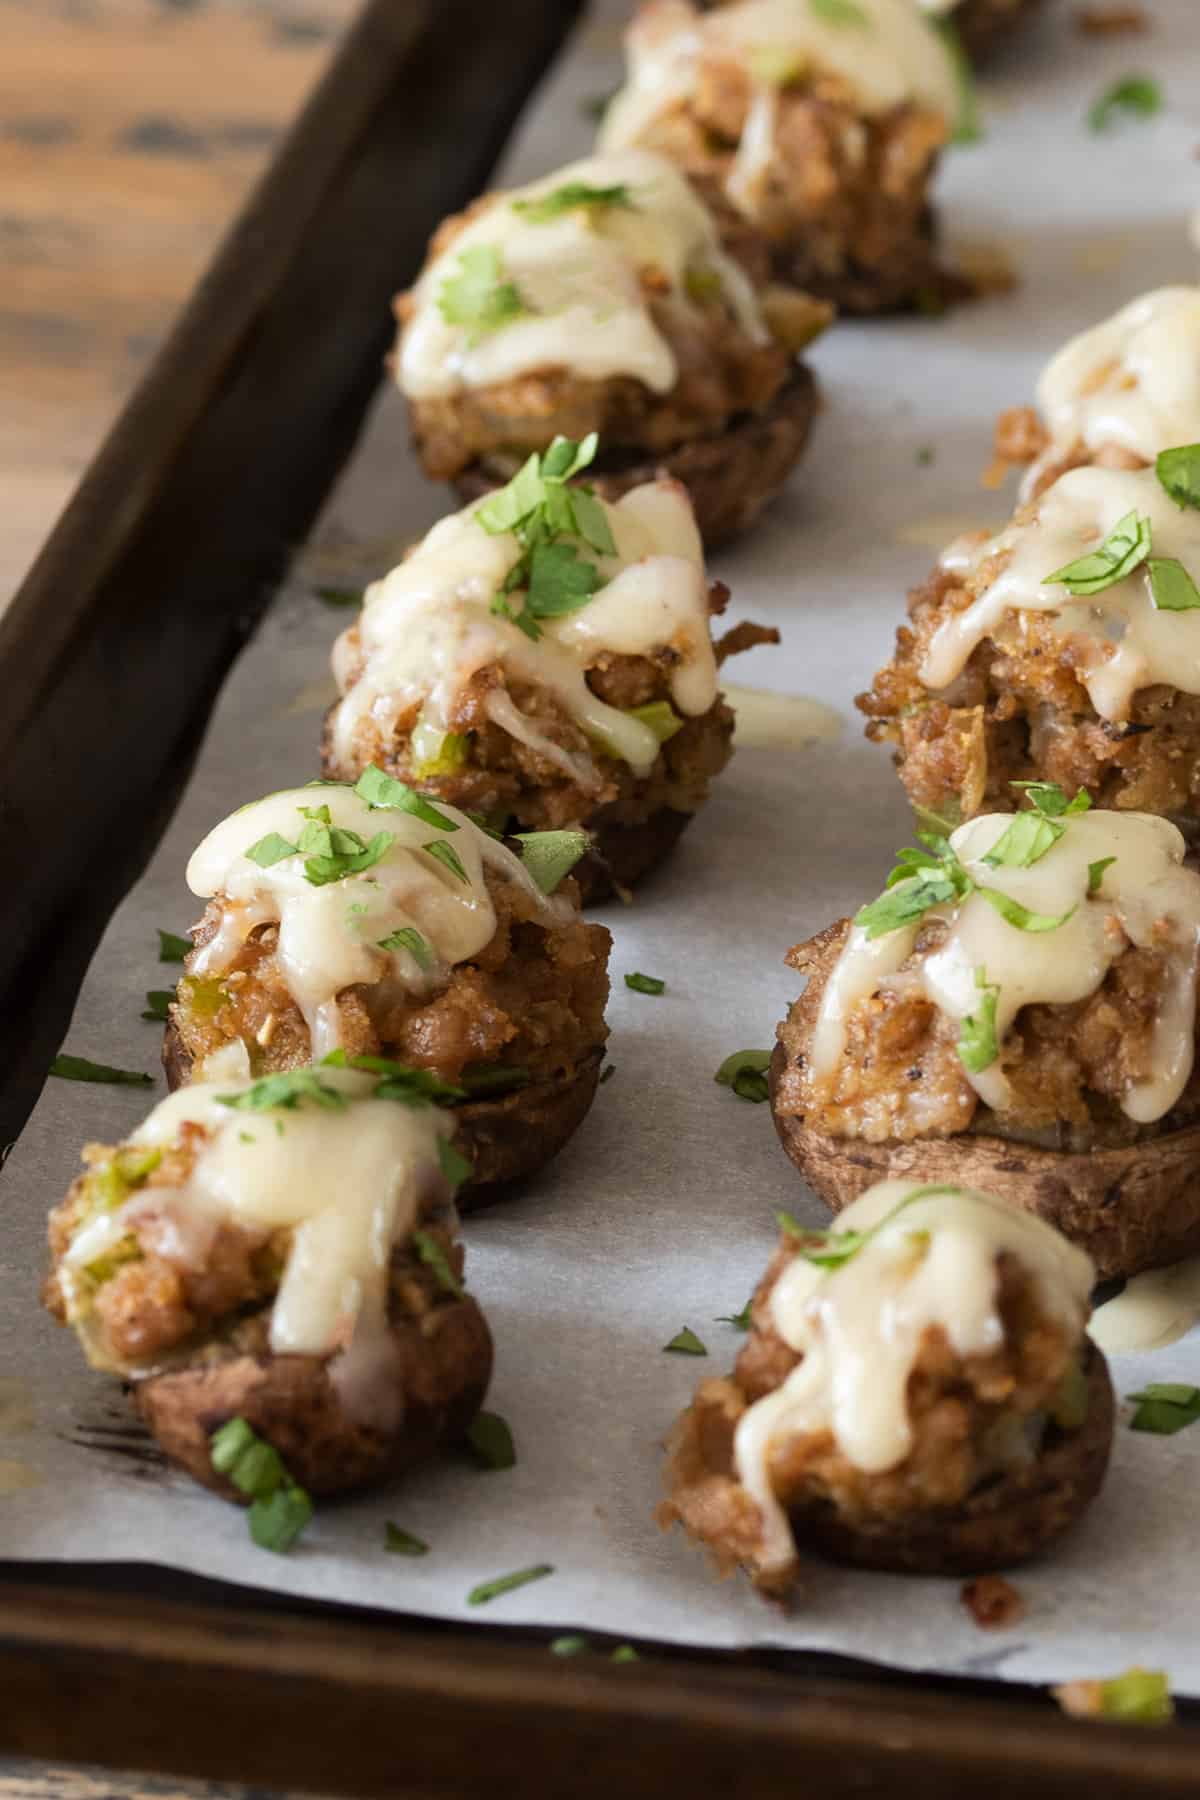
x=159 y=1304
x=1112 y=21
x=723 y=373
x=504 y=778
x=845 y=202
x=533 y=997
x=992 y=1602
x=961 y=1410
x=901 y=1077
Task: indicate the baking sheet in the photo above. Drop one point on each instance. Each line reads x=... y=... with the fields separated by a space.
x=659 y=1215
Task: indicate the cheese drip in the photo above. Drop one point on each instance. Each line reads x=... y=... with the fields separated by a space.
x=1145 y=897
x=331 y=936
x=1132 y=383
x=1121 y=640
x=427 y=628
x=347 y=1183
x=929 y=1264
x=579 y=277
x=894 y=58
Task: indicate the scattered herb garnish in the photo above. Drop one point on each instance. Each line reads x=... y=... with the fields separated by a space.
x=659 y=716
x=645 y=984
x=1032 y=833
x=453 y=1164
x=279 y=1508
x=977 y=1045
x=1051 y=801
x=1015 y=914
x=479 y=298
x=540 y=510
x=1178 y=472
x=1124 y=549
x=402 y=1543
x=1096 y=872
x=624 y=1653
x=79 y=1068
x=410 y=939
x=746 y=1073
x=171 y=947
x=398 y=1081
x=383 y=793
x=569 y=196
x=832 y=1249
x=839 y=12
x=491 y=1441
x=1171 y=587
x=740 y=1321
x=925 y=456
x=504 y=1584
x=607 y=1073
x=271 y=849
x=331 y=853
x=549 y=856
x=157 y=1002
x=1165 y=1407
x=338 y=596
x=1135 y=96
x=572 y=1645
x=1138 y=1697
x=922 y=878
x=286 y=1091
x=434 y=1257
x=448 y=856
x=686 y=1343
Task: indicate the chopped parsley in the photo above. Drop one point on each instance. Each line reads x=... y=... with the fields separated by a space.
x=286 y=1091
x=434 y=1257
x=270 y=850
x=453 y=1164
x=549 y=856
x=338 y=596
x=330 y=852
x=1133 y=96
x=448 y=856
x=977 y=1045
x=968 y=126
x=740 y=1320
x=659 y=716
x=1096 y=872
x=624 y=1653
x=573 y=1644
x=1178 y=472
x=410 y=939
x=746 y=1073
x=479 y=298
x=924 y=877
x=1015 y=914
x=491 y=1442
x=484 y=1079
x=79 y=1068
x=1171 y=587
x=398 y=1081
x=833 y=1249
x=383 y=793
x=158 y=1001
x=171 y=947
x=399 y=1542
x=1124 y=549
x=839 y=12
x=1165 y=1407
x=570 y=196
x=541 y=510
x=686 y=1343
x=1051 y=801
x=645 y=984
x=1032 y=833
x=280 y=1509
x=504 y=1584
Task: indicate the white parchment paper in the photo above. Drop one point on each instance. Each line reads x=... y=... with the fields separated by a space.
x=660 y=1212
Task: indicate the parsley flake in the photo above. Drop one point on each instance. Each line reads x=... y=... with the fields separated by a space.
x=505 y=1584
x=383 y=793
x=286 y=1091
x=491 y=1441
x=410 y=939
x=171 y=947
x=746 y=1073
x=279 y=1509
x=448 y=856
x=399 y=1542
x=1165 y=1407
x=839 y=12
x=739 y=1320
x=645 y=984
x=479 y=298
x=1171 y=587
x=1178 y=471
x=1124 y=549
x=434 y=1257
x=79 y=1068
x=1133 y=96
x=570 y=196
x=978 y=1046
x=1096 y=872
x=158 y=1001
x=686 y=1343
x=549 y=856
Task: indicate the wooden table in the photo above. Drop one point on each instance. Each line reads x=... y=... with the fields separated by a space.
x=130 y=131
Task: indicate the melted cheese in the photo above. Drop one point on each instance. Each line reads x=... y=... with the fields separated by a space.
x=1132 y=382
x=929 y=1263
x=1152 y=1311
x=1120 y=639
x=347 y=1183
x=427 y=628
x=1145 y=897
x=896 y=58
x=330 y=936
x=579 y=276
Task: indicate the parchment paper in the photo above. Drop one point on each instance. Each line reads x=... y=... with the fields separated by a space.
x=660 y=1212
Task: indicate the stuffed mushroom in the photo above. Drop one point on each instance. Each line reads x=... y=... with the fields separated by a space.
x=602 y=299
x=545 y=659
x=917 y=1394
x=280 y=1252
x=369 y=922
x=1065 y=649
x=1016 y=1011
x=823 y=131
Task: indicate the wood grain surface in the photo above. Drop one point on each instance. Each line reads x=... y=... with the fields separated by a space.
x=130 y=131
